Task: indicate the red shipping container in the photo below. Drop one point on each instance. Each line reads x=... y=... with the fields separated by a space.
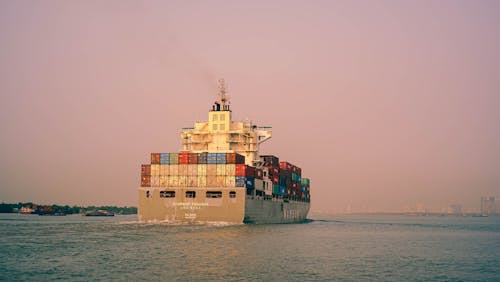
x=192 y=158
x=275 y=179
x=155 y=158
x=245 y=170
x=274 y=171
x=183 y=158
x=286 y=165
x=146 y=181
x=145 y=170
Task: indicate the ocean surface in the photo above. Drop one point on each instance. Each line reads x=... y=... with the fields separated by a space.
x=337 y=248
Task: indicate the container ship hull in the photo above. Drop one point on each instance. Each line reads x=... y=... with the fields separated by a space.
x=231 y=207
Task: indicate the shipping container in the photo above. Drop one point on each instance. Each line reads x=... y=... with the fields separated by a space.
x=221 y=180
x=221 y=169
x=183 y=158
x=270 y=161
x=230 y=169
x=245 y=170
x=202 y=169
x=192 y=169
x=173 y=181
x=299 y=171
x=146 y=181
x=193 y=158
x=239 y=181
x=286 y=166
x=155 y=158
x=221 y=158
x=183 y=181
x=212 y=181
x=230 y=181
x=268 y=187
x=145 y=170
x=155 y=169
x=164 y=169
x=258 y=184
x=275 y=179
x=174 y=169
x=164 y=158
x=282 y=190
x=192 y=181
x=174 y=158
x=202 y=180
x=276 y=189
x=305 y=182
x=155 y=180
x=202 y=158
x=258 y=173
x=163 y=181
x=250 y=182
x=295 y=177
x=211 y=158
x=211 y=169
x=183 y=169
x=234 y=158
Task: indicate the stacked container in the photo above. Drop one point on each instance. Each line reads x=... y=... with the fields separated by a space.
x=186 y=169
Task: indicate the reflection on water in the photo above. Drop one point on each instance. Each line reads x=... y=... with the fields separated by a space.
x=383 y=248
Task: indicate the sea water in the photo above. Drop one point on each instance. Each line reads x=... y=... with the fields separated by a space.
x=334 y=248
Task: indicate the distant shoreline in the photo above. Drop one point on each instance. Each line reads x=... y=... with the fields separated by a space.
x=43 y=209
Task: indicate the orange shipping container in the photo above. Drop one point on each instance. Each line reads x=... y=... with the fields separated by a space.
x=155 y=158
x=146 y=181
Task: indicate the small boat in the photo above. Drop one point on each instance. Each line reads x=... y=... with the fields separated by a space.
x=99 y=213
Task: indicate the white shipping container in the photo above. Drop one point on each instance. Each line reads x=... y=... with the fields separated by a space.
x=183 y=170
x=202 y=181
x=192 y=170
x=221 y=170
x=268 y=187
x=174 y=170
x=163 y=180
x=164 y=169
x=155 y=180
x=183 y=180
x=155 y=169
x=230 y=169
x=173 y=181
x=230 y=181
x=202 y=169
x=259 y=184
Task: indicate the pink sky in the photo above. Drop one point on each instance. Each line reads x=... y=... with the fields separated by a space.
x=384 y=104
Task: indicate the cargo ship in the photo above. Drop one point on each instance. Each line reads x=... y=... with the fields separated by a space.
x=219 y=176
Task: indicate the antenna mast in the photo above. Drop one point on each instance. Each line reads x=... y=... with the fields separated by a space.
x=222 y=94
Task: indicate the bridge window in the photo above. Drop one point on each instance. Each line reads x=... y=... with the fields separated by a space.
x=214 y=126
x=190 y=194
x=232 y=194
x=214 y=194
x=167 y=194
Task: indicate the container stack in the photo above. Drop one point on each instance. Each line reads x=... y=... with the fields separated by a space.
x=185 y=169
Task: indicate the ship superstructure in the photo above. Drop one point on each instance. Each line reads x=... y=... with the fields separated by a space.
x=220 y=176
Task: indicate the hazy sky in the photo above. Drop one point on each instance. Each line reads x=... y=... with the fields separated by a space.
x=384 y=104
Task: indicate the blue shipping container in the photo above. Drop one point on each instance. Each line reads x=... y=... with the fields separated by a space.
x=165 y=158
x=240 y=181
x=282 y=190
x=250 y=182
x=221 y=158
x=211 y=158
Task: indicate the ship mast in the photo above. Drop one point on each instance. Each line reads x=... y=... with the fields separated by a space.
x=222 y=94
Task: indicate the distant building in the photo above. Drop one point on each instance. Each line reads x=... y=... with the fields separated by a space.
x=455 y=209
x=488 y=205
